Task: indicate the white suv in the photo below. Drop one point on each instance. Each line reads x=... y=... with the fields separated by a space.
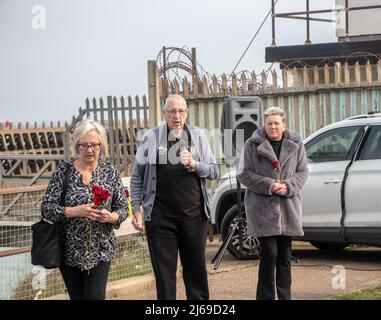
x=341 y=199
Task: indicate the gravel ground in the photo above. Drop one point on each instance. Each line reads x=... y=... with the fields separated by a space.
x=313 y=276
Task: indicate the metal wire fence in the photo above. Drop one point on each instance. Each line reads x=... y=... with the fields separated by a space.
x=19 y=279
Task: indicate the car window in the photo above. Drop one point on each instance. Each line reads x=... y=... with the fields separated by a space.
x=334 y=145
x=372 y=147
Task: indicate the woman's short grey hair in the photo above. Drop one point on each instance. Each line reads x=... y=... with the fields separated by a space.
x=174 y=97
x=275 y=111
x=85 y=127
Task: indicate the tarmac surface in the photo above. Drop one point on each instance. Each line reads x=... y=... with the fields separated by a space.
x=317 y=276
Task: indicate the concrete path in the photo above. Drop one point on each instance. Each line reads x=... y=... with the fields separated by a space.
x=315 y=277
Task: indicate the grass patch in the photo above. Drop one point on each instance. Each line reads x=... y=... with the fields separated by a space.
x=365 y=294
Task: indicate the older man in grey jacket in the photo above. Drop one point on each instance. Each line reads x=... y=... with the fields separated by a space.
x=273 y=167
x=169 y=176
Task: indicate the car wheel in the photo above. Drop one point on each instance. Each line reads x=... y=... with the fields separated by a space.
x=250 y=245
x=328 y=246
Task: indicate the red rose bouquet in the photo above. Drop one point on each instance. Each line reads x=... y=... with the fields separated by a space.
x=99 y=196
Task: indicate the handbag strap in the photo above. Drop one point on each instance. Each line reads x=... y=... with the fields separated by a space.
x=65 y=184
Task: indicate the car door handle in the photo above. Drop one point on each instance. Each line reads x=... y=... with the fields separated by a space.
x=335 y=181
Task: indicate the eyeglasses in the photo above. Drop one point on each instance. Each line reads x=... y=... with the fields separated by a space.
x=85 y=146
x=182 y=112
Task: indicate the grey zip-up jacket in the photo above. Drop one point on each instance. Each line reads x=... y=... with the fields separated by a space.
x=143 y=178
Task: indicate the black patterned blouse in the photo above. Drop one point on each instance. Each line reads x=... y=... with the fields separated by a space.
x=87 y=242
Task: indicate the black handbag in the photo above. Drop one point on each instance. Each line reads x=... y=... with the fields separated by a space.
x=47 y=245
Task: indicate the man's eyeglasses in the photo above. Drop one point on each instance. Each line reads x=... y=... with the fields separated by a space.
x=85 y=146
x=182 y=112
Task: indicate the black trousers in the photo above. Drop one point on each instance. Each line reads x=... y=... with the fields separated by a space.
x=275 y=268
x=167 y=238
x=86 y=285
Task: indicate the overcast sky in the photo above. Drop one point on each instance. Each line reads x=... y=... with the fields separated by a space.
x=55 y=53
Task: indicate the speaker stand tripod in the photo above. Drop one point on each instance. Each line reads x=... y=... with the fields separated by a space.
x=237 y=224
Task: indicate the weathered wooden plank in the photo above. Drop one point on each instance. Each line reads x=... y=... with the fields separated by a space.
x=132 y=138
x=102 y=110
x=244 y=88
x=368 y=73
x=255 y=84
x=110 y=131
x=126 y=158
x=275 y=80
x=234 y=85
x=115 y=128
x=358 y=103
x=94 y=109
x=306 y=116
x=196 y=113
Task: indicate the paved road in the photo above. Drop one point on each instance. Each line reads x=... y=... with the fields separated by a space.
x=312 y=275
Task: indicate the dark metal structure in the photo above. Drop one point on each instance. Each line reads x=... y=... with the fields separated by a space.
x=306 y=15
x=350 y=50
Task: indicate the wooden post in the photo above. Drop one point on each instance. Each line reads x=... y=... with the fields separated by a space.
x=66 y=142
x=368 y=73
x=305 y=77
x=225 y=91
x=214 y=86
x=186 y=88
x=194 y=66
x=205 y=89
x=357 y=74
x=337 y=74
x=254 y=80
x=153 y=95
x=275 y=80
x=347 y=77
x=316 y=76
x=327 y=80
x=285 y=78
x=264 y=82
x=243 y=84
x=176 y=86
x=234 y=85
x=295 y=78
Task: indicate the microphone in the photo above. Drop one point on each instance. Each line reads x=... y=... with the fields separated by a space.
x=183 y=144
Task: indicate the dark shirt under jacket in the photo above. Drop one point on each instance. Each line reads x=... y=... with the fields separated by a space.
x=178 y=190
x=277 y=145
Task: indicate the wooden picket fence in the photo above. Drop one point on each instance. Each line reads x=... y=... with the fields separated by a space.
x=29 y=153
x=311 y=96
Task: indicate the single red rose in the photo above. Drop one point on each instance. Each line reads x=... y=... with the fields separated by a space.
x=126 y=192
x=276 y=164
